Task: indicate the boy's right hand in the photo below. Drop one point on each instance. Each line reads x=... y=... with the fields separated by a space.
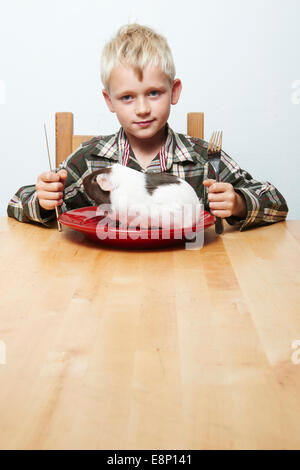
x=49 y=188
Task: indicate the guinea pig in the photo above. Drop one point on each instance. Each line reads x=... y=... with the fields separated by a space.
x=144 y=199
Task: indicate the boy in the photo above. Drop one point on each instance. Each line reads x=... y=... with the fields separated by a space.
x=138 y=75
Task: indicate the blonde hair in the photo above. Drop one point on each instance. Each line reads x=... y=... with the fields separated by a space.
x=136 y=46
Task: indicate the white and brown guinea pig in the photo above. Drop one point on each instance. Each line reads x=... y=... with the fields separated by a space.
x=158 y=199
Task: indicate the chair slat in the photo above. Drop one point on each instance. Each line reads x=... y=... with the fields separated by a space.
x=195 y=125
x=63 y=136
x=78 y=139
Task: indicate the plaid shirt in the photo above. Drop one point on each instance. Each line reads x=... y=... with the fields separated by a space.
x=181 y=155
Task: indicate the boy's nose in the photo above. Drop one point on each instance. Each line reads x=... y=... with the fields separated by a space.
x=142 y=107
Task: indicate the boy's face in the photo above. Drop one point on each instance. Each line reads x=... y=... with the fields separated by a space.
x=142 y=107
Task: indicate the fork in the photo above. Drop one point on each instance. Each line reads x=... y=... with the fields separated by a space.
x=214 y=156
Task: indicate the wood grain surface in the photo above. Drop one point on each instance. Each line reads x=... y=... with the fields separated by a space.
x=174 y=349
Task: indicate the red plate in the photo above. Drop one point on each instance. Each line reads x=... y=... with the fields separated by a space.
x=87 y=221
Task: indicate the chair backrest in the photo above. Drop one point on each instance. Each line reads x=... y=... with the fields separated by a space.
x=66 y=142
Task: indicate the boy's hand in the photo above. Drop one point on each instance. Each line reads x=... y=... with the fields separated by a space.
x=224 y=201
x=49 y=188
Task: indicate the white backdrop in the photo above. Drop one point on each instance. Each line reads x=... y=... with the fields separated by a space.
x=238 y=61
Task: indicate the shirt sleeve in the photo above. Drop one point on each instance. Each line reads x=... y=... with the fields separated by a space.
x=24 y=205
x=265 y=204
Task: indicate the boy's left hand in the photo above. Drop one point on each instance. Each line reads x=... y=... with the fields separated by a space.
x=224 y=201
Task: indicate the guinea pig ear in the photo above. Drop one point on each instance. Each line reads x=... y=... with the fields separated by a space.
x=105 y=182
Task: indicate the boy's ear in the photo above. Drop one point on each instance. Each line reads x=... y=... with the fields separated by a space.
x=108 y=100
x=176 y=91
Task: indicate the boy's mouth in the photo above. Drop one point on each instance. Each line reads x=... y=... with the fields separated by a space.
x=144 y=123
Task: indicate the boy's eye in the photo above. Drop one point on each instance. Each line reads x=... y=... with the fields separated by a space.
x=126 y=97
x=129 y=97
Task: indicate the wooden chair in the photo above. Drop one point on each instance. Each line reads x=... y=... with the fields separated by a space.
x=66 y=142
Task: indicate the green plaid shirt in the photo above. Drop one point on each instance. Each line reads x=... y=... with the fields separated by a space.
x=181 y=155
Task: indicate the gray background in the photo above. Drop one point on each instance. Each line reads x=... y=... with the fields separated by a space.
x=238 y=62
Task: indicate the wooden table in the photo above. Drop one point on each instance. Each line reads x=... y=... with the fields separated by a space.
x=174 y=349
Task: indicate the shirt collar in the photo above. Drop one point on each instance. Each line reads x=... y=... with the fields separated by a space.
x=177 y=149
